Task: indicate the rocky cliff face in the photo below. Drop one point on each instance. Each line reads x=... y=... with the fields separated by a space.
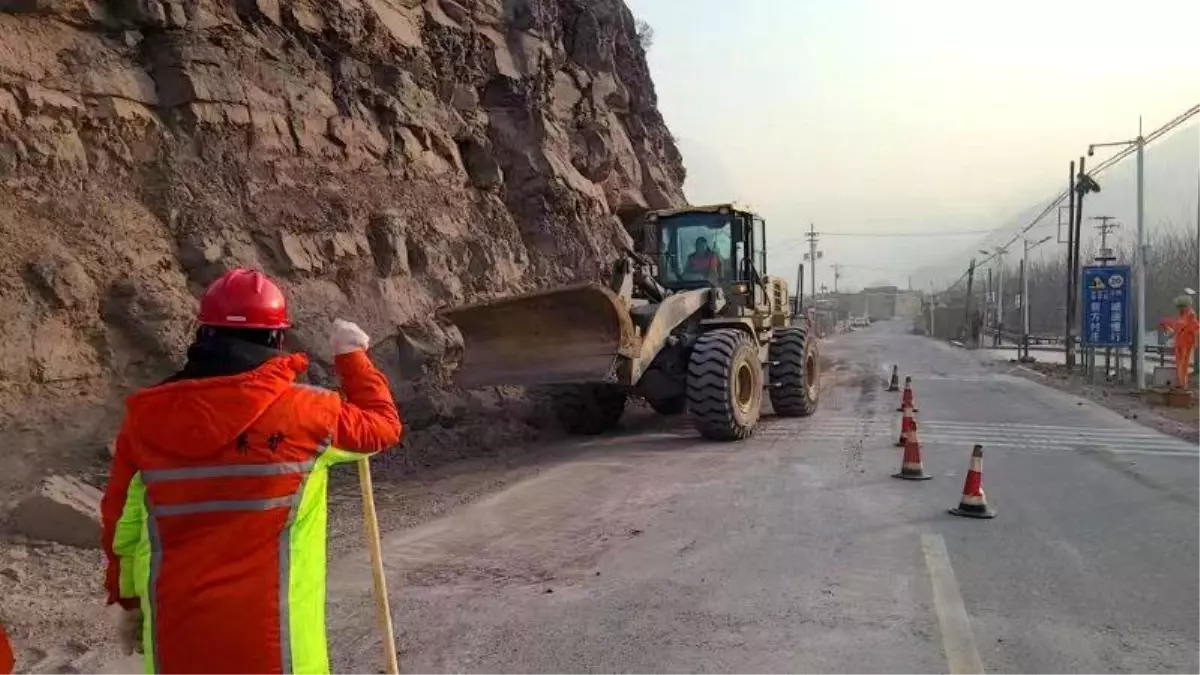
x=381 y=157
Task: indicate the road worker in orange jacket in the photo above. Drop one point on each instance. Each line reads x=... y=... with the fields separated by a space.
x=214 y=514
x=1186 y=329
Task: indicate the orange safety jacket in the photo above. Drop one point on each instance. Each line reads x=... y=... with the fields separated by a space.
x=7 y=660
x=214 y=515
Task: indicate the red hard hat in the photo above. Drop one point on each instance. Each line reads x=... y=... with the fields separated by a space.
x=243 y=299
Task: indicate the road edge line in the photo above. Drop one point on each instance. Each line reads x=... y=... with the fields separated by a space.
x=958 y=642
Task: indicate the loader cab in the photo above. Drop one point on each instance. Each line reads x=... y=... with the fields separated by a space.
x=711 y=246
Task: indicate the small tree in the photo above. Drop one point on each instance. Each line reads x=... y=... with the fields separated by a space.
x=645 y=33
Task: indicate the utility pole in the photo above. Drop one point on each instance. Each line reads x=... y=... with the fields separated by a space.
x=813 y=254
x=799 y=290
x=1105 y=227
x=932 y=311
x=1081 y=187
x=990 y=304
x=999 y=294
x=1070 y=347
x=967 y=335
x=837 y=273
x=1084 y=184
x=1025 y=290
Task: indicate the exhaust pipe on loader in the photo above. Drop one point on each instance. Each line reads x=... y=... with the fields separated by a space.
x=567 y=335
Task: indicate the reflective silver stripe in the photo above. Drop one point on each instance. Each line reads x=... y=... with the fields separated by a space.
x=224 y=471
x=223 y=505
x=152 y=586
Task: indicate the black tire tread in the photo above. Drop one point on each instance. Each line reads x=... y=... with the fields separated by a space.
x=789 y=378
x=589 y=409
x=708 y=384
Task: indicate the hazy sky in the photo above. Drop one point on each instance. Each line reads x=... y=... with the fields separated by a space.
x=907 y=115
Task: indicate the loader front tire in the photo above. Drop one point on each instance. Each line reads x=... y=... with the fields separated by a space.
x=794 y=377
x=725 y=385
x=589 y=409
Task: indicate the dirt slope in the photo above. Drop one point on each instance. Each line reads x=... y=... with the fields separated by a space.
x=381 y=157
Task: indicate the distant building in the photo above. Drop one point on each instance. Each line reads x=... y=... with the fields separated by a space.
x=881 y=302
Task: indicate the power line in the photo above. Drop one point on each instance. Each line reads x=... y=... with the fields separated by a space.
x=1108 y=163
x=949 y=233
x=797 y=241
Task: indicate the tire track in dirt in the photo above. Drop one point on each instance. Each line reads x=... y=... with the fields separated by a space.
x=867 y=375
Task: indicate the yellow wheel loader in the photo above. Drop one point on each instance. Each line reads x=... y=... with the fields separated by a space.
x=691 y=324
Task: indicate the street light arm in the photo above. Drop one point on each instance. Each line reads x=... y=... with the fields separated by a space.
x=1092 y=147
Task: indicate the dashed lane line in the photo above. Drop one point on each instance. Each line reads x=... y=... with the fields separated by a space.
x=958 y=641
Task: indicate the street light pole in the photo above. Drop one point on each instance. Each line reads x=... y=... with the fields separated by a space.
x=1139 y=270
x=1000 y=293
x=1069 y=343
x=1139 y=344
x=1025 y=298
x=997 y=310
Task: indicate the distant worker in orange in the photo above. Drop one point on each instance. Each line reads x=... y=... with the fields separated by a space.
x=214 y=514
x=704 y=262
x=1186 y=329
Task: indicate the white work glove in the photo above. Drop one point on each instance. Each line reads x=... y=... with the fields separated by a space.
x=129 y=628
x=348 y=337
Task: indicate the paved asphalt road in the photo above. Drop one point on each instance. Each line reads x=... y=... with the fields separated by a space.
x=651 y=550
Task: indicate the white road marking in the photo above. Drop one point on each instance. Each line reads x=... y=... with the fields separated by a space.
x=1161 y=453
x=1005 y=435
x=957 y=639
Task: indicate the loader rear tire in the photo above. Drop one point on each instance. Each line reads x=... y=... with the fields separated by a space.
x=589 y=409
x=794 y=377
x=725 y=385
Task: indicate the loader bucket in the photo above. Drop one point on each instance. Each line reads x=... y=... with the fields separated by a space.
x=571 y=334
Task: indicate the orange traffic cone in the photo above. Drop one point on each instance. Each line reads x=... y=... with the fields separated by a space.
x=894 y=384
x=911 y=467
x=907 y=424
x=906 y=399
x=974 y=503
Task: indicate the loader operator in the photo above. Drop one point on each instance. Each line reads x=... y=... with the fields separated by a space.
x=704 y=263
x=214 y=514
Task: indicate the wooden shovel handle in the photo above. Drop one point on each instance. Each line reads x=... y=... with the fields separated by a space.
x=371 y=530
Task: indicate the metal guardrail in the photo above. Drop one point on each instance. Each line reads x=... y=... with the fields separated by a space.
x=1163 y=354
